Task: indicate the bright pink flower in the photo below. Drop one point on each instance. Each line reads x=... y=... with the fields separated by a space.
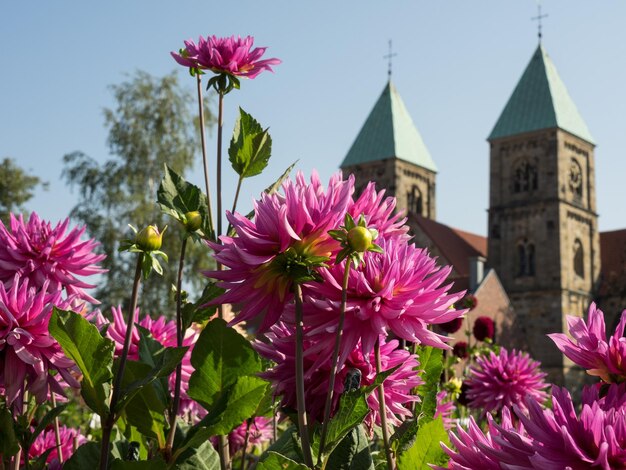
x=504 y=379
x=477 y=450
x=445 y=409
x=233 y=56
x=484 y=328
x=165 y=333
x=27 y=351
x=40 y=253
x=590 y=348
x=46 y=441
x=356 y=370
x=287 y=229
x=401 y=291
x=259 y=432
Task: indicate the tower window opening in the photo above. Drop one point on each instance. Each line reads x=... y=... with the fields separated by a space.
x=525 y=259
x=579 y=259
x=414 y=202
x=525 y=177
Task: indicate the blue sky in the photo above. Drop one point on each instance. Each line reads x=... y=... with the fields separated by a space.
x=457 y=64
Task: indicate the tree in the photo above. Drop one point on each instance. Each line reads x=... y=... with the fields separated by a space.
x=16 y=188
x=153 y=123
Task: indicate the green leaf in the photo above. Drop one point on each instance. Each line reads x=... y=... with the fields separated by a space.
x=286 y=445
x=155 y=464
x=203 y=458
x=352 y=453
x=93 y=354
x=250 y=147
x=220 y=357
x=176 y=197
x=198 y=312
x=8 y=440
x=427 y=447
x=86 y=456
x=431 y=362
x=46 y=420
x=276 y=461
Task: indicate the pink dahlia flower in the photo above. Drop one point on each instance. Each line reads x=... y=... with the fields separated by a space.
x=259 y=432
x=27 y=351
x=590 y=348
x=484 y=328
x=40 y=253
x=233 y=56
x=504 y=379
x=478 y=450
x=400 y=291
x=445 y=409
x=165 y=333
x=47 y=441
x=356 y=371
x=452 y=326
x=287 y=229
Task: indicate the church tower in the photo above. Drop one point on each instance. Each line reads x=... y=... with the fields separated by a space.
x=390 y=151
x=543 y=236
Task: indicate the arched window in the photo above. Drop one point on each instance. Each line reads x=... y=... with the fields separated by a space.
x=414 y=201
x=521 y=260
x=525 y=259
x=530 y=253
x=525 y=177
x=579 y=259
x=576 y=179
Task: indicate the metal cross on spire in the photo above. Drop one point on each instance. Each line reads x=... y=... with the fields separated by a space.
x=389 y=57
x=538 y=18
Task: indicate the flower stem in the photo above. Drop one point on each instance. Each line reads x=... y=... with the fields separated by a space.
x=245 y=444
x=15 y=465
x=334 y=360
x=391 y=463
x=202 y=140
x=300 y=400
x=179 y=344
x=220 y=125
x=57 y=433
x=224 y=452
x=235 y=202
x=107 y=425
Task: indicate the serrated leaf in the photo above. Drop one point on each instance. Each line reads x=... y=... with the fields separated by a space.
x=203 y=458
x=275 y=461
x=352 y=453
x=250 y=147
x=81 y=341
x=199 y=312
x=431 y=362
x=220 y=357
x=427 y=447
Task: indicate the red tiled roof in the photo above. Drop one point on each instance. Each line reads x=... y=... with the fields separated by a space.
x=455 y=245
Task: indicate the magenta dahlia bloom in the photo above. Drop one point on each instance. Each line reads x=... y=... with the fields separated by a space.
x=233 y=56
x=37 y=251
x=590 y=348
x=259 y=433
x=445 y=409
x=401 y=291
x=461 y=349
x=504 y=379
x=165 y=333
x=478 y=450
x=47 y=441
x=27 y=351
x=288 y=229
x=357 y=370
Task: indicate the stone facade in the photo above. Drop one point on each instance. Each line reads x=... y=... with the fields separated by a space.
x=543 y=236
x=412 y=185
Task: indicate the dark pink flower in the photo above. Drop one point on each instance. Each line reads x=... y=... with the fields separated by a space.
x=233 y=56
x=40 y=253
x=460 y=349
x=484 y=328
x=445 y=409
x=452 y=326
x=504 y=379
x=164 y=332
x=27 y=351
x=590 y=348
x=401 y=291
x=356 y=370
x=47 y=441
x=287 y=230
x=259 y=432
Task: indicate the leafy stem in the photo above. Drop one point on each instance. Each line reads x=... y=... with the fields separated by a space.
x=391 y=463
x=202 y=140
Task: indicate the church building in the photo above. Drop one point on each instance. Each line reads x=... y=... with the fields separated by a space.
x=543 y=257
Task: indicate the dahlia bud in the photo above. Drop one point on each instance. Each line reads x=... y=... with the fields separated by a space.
x=193 y=221
x=360 y=239
x=484 y=328
x=149 y=239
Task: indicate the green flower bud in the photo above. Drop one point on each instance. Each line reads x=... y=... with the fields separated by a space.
x=359 y=239
x=193 y=221
x=150 y=239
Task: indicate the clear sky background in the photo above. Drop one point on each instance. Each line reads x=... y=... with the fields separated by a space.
x=456 y=66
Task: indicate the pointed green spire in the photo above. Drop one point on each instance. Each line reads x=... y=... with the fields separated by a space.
x=389 y=132
x=540 y=101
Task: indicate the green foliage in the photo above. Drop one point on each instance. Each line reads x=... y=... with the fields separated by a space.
x=8 y=440
x=154 y=464
x=250 y=147
x=16 y=188
x=93 y=354
x=352 y=453
x=178 y=198
x=276 y=461
x=86 y=456
x=198 y=312
x=427 y=448
x=431 y=362
x=152 y=123
x=202 y=458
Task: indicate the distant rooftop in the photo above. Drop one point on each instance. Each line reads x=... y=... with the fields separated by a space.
x=540 y=101
x=389 y=132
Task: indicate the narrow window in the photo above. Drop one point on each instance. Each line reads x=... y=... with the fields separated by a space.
x=414 y=201
x=579 y=259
